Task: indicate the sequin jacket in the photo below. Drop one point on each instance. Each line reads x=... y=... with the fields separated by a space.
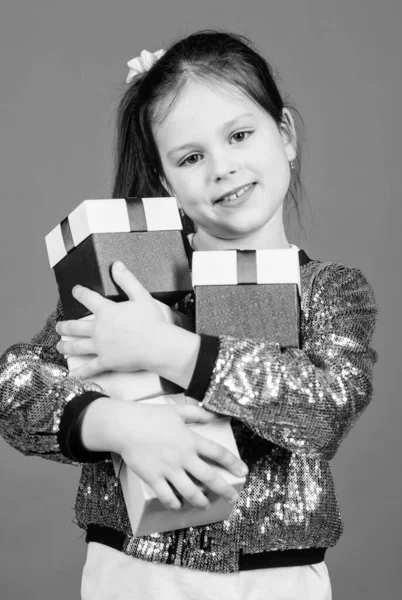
x=290 y=410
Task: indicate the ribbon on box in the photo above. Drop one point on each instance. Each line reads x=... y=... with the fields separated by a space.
x=67 y=235
x=136 y=215
x=246 y=266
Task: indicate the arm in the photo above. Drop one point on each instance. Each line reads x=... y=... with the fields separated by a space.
x=45 y=411
x=34 y=391
x=42 y=411
x=304 y=400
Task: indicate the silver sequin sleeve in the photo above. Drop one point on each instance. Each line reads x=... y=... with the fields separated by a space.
x=34 y=389
x=304 y=400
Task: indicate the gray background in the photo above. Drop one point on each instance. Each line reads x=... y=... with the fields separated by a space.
x=63 y=66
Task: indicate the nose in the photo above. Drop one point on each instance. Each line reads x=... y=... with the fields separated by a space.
x=222 y=165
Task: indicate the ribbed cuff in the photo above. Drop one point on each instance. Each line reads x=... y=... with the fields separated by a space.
x=205 y=364
x=69 y=434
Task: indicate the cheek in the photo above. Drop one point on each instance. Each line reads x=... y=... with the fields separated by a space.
x=276 y=165
x=276 y=178
x=184 y=191
x=283 y=178
x=174 y=183
x=187 y=190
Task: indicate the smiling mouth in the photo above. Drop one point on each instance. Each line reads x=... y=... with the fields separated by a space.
x=231 y=197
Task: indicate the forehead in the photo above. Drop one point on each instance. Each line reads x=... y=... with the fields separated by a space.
x=201 y=107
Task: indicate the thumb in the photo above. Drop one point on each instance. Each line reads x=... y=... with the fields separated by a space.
x=128 y=282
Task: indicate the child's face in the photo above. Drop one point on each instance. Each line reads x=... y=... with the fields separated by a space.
x=230 y=143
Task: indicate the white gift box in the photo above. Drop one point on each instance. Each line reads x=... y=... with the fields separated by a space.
x=147 y=514
x=138 y=385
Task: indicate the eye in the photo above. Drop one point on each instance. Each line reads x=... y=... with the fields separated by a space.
x=240 y=136
x=190 y=160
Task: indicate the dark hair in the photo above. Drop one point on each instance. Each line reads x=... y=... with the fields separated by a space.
x=226 y=58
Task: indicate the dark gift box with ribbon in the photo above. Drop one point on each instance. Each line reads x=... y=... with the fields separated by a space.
x=249 y=294
x=144 y=233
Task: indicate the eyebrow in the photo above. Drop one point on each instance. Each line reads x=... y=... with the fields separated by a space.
x=226 y=125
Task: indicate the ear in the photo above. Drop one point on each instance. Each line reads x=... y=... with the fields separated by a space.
x=288 y=133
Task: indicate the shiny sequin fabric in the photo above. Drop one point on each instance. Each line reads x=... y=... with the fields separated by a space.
x=290 y=410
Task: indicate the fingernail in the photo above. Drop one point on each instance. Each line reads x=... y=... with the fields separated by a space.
x=119 y=265
x=243 y=469
x=207 y=506
x=233 y=499
x=76 y=289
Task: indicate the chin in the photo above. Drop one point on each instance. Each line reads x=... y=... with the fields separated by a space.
x=236 y=234
x=247 y=226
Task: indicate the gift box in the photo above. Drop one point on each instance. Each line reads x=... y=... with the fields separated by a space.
x=148 y=515
x=248 y=294
x=138 y=385
x=144 y=233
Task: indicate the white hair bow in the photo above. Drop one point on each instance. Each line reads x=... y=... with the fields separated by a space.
x=142 y=63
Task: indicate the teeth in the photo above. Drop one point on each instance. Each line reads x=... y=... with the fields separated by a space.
x=239 y=193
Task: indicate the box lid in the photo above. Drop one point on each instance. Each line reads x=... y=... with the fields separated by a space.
x=234 y=267
x=111 y=215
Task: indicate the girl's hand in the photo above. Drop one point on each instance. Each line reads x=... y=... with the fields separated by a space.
x=122 y=335
x=157 y=446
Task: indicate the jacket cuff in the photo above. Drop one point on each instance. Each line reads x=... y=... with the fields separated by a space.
x=204 y=367
x=69 y=434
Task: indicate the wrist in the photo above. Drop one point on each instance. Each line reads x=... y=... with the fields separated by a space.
x=175 y=354
x=100 y=431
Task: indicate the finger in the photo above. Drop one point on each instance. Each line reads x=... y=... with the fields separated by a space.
x=76 y=347
x=220 y=455
x=165 y=494
x=88 y=369
x=128 y=282
x=189 y=490
x=191 y=413
x=90 y=299
x=75 y=328
x=209 y=476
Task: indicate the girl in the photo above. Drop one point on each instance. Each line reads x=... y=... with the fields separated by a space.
x=204 y=122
